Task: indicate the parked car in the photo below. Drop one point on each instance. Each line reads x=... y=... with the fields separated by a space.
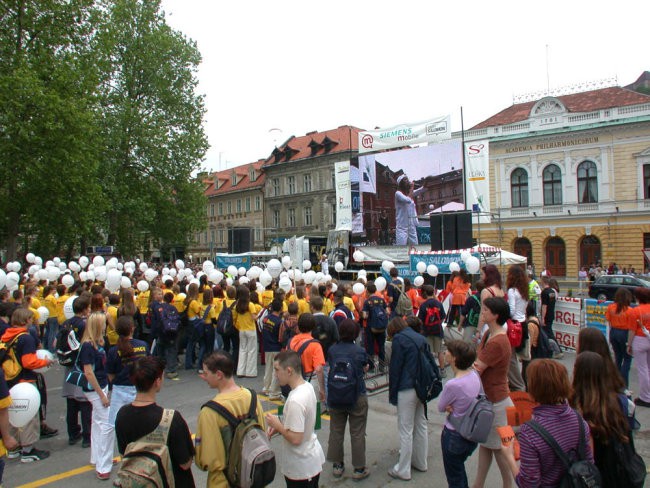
x=604 y=288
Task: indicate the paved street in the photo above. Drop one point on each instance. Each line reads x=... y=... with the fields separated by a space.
x=68 y=466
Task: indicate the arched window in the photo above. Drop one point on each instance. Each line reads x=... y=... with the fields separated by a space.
x=552 y=177
x=587 y=182
x=519 y=187
x=590 y=251
x=523 y=247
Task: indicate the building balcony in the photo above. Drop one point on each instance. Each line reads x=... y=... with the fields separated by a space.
x=569 y=210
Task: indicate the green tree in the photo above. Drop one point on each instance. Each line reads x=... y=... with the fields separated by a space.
x=48 y=156
x=152 y=132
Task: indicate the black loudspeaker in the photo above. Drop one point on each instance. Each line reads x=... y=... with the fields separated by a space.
x=435 y=221
x=449 y=239
x=464 y=230
x=240 y=240
x=451 y=231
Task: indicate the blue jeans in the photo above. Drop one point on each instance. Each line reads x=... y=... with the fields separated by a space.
x=618 y=340
x=192 y=341
x=455 y=451
x=122 y=395
x=51 y=330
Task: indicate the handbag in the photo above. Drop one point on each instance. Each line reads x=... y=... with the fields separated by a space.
x=199 y=329
x=77 y=377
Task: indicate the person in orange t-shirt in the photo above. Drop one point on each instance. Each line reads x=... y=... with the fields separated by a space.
x=622 y=321
x=641 y=345
x=460 y=285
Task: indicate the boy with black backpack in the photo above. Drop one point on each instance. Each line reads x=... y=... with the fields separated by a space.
x=167 y=343
x=376 y=315
x=432 y=314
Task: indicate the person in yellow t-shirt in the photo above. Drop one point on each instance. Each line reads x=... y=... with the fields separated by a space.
x=208 y=316
x=111 y=318
x=303 y=302
x=142 y=301
x=218 y=373
x=244 y=315
x=193 y=307
x=63 y=296
x=267 y=296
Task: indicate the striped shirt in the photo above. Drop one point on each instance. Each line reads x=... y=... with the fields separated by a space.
x=539 y=464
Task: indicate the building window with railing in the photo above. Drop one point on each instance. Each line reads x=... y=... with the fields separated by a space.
x=220 y=208
x=291 y=217
x=587 y=182
x=291 y=184
x=238 y=205
x=258 y=203
x=519 y=187
x=307 y=183
x=276 y=219
x=229 y=207
x=258 y=235
x=212 y=210
x=248 y=204
x=646 y=181
x=308 y=218
x=552 y=181
x=275 y=187
x=220 y=236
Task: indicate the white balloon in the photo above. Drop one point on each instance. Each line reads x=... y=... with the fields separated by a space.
x=243 y=280
x=38 y=260
x=306 y=264
x=254 y=272
x=74 y=266
x=125 y=282
x=473 y=265
x=43 y=354
x=265 y=278
x=338 y=266
x=259 y=287
x=90 y=275
x=150 y=274
x=309 y=276
x=56 y=260
x=208 y=266
x=380 y=283
x=362 y=272
x=358 y=288
x=358 y=256
x=232 y=270
x=421 y=266
x=91 y=267
x=464 y=256
x=13 y=279
x=16 y=266
x=387 y=265
x=194 y=281
x=229 y=281
x=285 y=284
x=241 y=271
x=454 y=267
x=165 y=271
x=334 y=287
x=68 y=311
x=297 y=275
x=100 y=273
x=180 y=264
x=83 y=262
x=30 y=257
x=98 y=261
x=67 y=280
x=286 y=262
x=142 y=286
x=83 y=276
x=432 y=270
x=43 y=314
x=120 y=266
x=53 y=273
x=173 y=272
x=327 y=278
x=143 y=267
x=418 y=281
x=319 y=276
x=3 y=279
x=274 y=267
x=112 y=263
x=25 y=402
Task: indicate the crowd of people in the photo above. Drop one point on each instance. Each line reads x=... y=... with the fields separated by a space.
x=316 y=342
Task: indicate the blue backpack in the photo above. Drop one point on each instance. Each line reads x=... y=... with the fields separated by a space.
x=342 y=382
x=377 y=318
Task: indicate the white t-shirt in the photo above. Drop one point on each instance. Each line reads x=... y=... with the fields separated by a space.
x=517 y=305
x=305 y=460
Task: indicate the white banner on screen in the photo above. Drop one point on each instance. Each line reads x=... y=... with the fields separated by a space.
x=367 y=174
x=477 y=165
x=432 y=130
x=343 y=196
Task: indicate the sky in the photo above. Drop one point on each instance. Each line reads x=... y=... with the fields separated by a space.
x=302 y=66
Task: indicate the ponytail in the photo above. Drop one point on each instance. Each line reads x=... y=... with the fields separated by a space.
x=124 y=329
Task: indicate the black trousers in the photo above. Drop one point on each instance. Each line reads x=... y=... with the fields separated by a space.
x=75 y=407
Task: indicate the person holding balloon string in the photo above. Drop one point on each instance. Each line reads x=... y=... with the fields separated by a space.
x=25 y=347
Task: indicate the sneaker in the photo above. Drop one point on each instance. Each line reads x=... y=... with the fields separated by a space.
x=73 y=440
x=393 y=474
x=338 y=469
x=85 y=444
x=172 y=376
x=641 y=403
x=276 y=398
x=15 y=454
x=558 y=355
x=103 y=476
x=47 y=431
x=360 y=474
x=200 y=371
x=34 y=455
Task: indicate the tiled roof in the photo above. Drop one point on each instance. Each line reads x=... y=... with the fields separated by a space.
x=313 y=144
x=589 y=101
x=243 y=183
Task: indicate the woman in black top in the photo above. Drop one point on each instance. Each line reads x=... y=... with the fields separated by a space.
x=143 y=415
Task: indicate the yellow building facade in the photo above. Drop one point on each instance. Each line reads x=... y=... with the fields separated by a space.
x=570 y=180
